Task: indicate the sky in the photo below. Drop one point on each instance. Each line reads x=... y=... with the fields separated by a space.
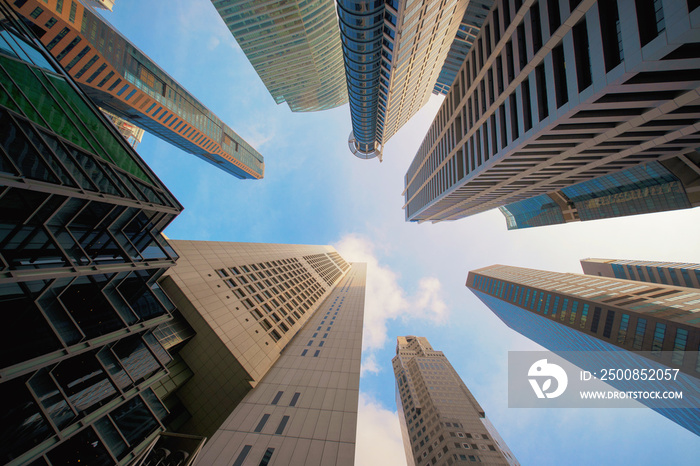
x=316 y=192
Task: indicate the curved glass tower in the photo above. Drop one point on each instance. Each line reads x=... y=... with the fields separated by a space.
x=393 y=51
x=294 y=47
x=362 y=29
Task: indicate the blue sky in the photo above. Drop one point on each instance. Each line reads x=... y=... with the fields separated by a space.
x=316 y=192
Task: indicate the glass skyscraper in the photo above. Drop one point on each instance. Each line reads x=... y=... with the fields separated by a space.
x=579 y=314
x=81 y=252
x=394 y=52
x=565 y=111
x=294 y=47
x=124 y=81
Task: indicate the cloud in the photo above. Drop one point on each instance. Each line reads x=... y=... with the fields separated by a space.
x=385 y=299
x=379 y=439
x=369 y=364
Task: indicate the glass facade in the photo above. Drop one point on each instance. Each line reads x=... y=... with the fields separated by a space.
x=362 y=31
x=577 y=347
x=81 y=251
x=534 y=212
x=473 y=19
x=294 y=47
x=126 y=83
x=639 y=190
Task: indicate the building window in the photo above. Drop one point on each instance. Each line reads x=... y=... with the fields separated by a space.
x=658 y=341
x=679 y=345
x=622 y=332
x=266 y=457
x=639 y=334
x=282 y=425
x=242 y=455
x=262 y=423
x=582 y=56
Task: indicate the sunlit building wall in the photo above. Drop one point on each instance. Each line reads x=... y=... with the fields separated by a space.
x=441 y=421
x=304 y=411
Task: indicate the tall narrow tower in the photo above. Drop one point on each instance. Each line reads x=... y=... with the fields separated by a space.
x=440 y=419
x=394 y=52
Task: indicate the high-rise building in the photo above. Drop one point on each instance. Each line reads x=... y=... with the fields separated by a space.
x=294 y=47
x=124 y=81
x=473 y=19
x=394 y=52
x=580 y=314
x=304 y=411
x=668 y=273
x=244 y=302
x=566 y=111
x=441 y=421
x=80 y=256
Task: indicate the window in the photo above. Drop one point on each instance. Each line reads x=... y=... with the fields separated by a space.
x=266 y=457
x=282 y=425
x=679 y=345
x=639 y=334
x=37 y=11
x=242 y=455
x=277 y=398
x=658 y=341
x=262 y=422
x=295 y=398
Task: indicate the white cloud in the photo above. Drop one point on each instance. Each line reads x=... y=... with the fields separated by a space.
x=378 y=435
x=370 y=364
x=385 y=299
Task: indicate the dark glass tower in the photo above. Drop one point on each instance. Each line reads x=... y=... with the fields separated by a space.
x=81 y=250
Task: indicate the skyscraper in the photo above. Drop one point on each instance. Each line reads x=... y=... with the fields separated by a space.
x=394 y=52
x=245 y=302
x=294 y=47
x=125 y=82
x=566 y=111
x=304 y=411
x=668 y=273
x=441 y=421
x=80 y=255
x=583 y=313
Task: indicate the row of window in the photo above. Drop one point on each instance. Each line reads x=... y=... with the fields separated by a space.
x=541 y=301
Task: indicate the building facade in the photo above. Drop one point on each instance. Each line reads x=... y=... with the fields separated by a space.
x=125 y=82
x=304 y=411
x=244 y=302
x=668 y=273
x=394 y=52
x=567 y=111
x=294 y=47
x=567 y=312
x=441 y=421
x=473 y=19
x=80 y=258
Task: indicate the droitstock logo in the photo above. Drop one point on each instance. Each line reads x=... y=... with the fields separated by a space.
x=541 y=370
